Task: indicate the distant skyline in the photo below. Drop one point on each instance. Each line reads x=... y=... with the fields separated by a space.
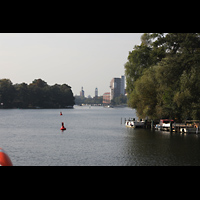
x=87 y=60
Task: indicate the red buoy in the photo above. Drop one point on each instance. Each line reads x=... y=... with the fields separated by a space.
x=62 y=127
x=4 y=158
x=60 y=113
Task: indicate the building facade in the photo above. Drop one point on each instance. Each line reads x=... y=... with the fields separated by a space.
x=106 y=98
x=82 y=93
x=117 y=87
x=122 y=89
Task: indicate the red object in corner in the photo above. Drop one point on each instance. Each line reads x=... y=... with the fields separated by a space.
x=4 y=159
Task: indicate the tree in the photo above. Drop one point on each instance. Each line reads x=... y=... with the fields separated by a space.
x=82 y=100
x=7 y=93
x=139 y=59
x=142 y=57
x=167 y=84
x=119 y=100
x=36 y=94
x=188 y=98
x=22 y=95
x=39 y=83
x=143 y=97
x=67 y=96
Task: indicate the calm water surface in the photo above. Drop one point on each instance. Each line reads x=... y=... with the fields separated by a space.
x=94 y=137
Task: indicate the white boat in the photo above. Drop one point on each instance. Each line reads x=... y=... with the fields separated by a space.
x=134 y=124
x=164 y=124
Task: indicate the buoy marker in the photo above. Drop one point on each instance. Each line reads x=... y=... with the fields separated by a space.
x=62 y=127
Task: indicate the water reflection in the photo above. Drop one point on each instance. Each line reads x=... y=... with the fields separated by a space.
x=146 y=147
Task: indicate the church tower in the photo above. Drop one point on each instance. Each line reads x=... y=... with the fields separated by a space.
x=96 y=92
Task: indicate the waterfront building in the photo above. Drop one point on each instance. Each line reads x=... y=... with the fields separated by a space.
x=117 y=87
x=82 y=93
x=122 y=88
x=106 y=98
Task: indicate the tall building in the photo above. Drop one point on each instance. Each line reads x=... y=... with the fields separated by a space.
x=82 y=93
x=122 y=91
x=96 y=92
x=117 y=87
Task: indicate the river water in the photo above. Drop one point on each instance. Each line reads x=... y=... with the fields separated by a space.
x=94 y=137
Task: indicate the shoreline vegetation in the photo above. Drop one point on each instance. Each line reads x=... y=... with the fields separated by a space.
x=40 y=95
x=163 y=76
x=37 y=94
x=117 y=101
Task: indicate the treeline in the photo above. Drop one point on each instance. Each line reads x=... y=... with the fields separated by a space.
x=37 y=94
x=163 y=76
x=99 y=100
x=82 y=100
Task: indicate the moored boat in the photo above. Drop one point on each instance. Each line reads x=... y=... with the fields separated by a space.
x=164 y=124
x=134 y=124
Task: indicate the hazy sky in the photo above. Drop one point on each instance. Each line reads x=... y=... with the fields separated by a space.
x=78 y=59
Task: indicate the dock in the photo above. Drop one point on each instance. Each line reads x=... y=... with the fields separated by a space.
x=189 y=126
x=184 y=128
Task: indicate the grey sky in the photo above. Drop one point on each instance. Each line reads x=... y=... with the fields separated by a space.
x=78 y=59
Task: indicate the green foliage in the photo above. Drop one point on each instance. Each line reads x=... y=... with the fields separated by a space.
x=36 y=94
x=142 y=57
x=7 y=92
x=82 y=100
x=143 y=97
x=119 y=100
x=163 y=76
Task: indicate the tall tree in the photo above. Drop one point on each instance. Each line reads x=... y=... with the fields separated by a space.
x=173 y=64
